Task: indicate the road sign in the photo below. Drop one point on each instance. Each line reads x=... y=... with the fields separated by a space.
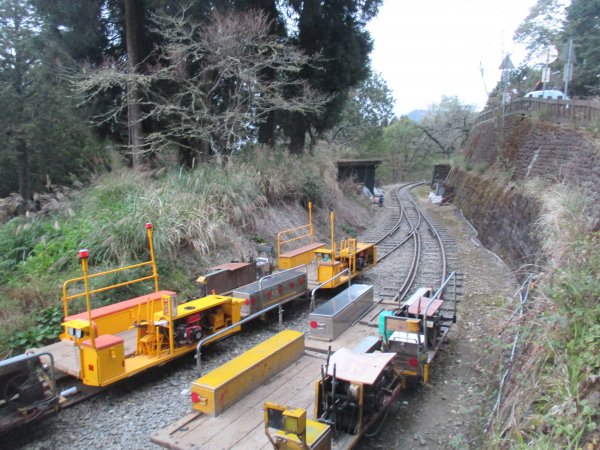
x=546 y=75
x=547 y=55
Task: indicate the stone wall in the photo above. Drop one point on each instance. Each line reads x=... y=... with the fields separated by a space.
x=527 y=149
x=504 y=218
x=557 y=153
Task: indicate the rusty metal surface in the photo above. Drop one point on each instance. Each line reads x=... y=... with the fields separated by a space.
x=418 y=308
x=358 y=367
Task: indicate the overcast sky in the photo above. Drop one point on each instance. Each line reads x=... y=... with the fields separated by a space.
x=428 y=48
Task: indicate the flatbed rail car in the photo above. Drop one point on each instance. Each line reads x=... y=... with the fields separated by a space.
x=372 y=390
x=330 y=267
x=104 y=345
x=302 y=255
x=233 y=421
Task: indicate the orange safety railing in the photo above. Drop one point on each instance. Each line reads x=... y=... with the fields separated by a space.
x=296 y=230
x=348 y=249
x=87 y=292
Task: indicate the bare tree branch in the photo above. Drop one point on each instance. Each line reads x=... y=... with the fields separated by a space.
x=205 y=84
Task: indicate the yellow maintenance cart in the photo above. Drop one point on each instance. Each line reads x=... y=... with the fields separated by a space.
x=351 y=256
x=103 y=345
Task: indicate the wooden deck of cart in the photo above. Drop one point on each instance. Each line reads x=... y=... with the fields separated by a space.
x=241 y=426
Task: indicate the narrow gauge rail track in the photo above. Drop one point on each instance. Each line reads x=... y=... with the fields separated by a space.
x=106 y=411
x=422 y=260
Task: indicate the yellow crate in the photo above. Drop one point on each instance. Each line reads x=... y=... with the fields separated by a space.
x=318 y=437
x=221 y=388
x=103 y=363
x=298 y=257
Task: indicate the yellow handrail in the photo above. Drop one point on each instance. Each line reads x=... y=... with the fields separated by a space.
x=86 y=293
x=309 y=234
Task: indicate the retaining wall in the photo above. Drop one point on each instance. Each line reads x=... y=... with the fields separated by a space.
x=526 y=149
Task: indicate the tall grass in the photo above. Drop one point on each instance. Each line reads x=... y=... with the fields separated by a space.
x=193 y=212
x=554 y=400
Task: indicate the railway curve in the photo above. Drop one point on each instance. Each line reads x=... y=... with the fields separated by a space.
x=122 y=416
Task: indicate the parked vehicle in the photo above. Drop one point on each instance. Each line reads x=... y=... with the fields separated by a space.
x=548 y=94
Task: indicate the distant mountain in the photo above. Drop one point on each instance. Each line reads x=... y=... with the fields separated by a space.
x=416 y=115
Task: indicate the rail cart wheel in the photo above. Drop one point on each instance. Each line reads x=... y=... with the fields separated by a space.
x=10 y=391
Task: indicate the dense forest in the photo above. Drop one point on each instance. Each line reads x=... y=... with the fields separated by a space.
x=154 y=78
x=194 y=82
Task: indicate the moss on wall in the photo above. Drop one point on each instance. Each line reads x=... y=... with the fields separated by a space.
x=523 y=149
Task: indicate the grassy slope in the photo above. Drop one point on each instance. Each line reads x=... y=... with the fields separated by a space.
x=195 y=215
x=553 y=398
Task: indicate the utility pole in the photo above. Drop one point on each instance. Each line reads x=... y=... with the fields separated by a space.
x=505 y=67
x=568 y=68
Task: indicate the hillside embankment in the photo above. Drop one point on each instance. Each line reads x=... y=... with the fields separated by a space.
x=530 y=188
x=511 y=165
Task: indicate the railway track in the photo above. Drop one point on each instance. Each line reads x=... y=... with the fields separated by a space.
x=419 y=248
x=396 y=239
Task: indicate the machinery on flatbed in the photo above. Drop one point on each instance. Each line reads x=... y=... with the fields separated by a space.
x=416 y=330
x=351 y=255
x=103 y=345
x=28 y=390
x=334 y=266
x=354 y=391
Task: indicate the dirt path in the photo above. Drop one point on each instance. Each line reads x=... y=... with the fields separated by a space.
x=450 y=412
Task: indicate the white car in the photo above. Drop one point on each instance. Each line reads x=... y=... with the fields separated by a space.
x=548 y=93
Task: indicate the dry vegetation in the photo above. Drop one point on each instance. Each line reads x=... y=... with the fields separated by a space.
x=552 y=399
x=196 y=215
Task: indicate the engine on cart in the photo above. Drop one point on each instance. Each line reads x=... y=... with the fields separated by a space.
x=343 y=405
x=27 y=390
x=188 y=329
x=354 y=388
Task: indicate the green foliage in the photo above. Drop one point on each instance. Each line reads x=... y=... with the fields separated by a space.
x=258 y=239
x=542 y=26
x=520 y=81
x=45 y=330
x=582 y=26
x=48 y=140
x=34 y=248
x=336 y=31
x=405 y=151
x=348 y=230
x=410 y=148
x=368 y=109
x=554 y=402
x=459 y=160
x=554 y=22
x=565 y=413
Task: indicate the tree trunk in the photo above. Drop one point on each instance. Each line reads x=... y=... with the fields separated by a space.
x=297 y=134
x=266 y=130
x=23 y=168
x=133 y=95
